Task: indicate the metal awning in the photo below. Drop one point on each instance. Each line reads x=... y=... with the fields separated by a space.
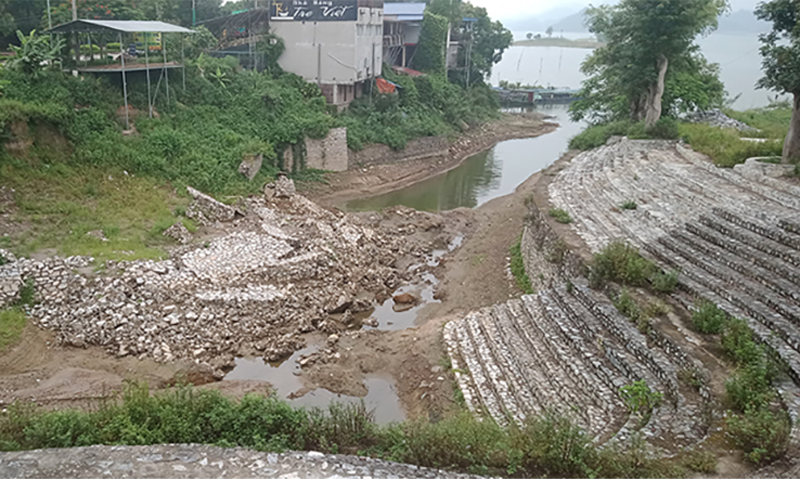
x=119 y=26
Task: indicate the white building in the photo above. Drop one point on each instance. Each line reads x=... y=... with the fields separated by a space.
x=402 y=26
x=337 y=44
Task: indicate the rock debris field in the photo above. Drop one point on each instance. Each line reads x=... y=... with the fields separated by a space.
x=199 y=461
x=277 y=266
x=735 y=241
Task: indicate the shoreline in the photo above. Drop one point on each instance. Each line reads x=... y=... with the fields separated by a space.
x=385 y=178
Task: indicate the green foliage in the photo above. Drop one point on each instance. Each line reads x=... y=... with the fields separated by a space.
x=665 y=129
x=701 y=461
x=781 y=58
x=773 y=120
x=627 y=306
x=12 y=322
x=622 y=263
x=750 y=387
x=638 y=34
x=425 y=106
x=724 y=146
x=489 y=40
x=738 y=343
x=639 y=398
x=761 y=433
x=597 y=135
x=629 y=205
x=664 y=282
x=553 y=446
x=429 y=56
x=27 y=294
x=518 y=268
x=708 y=318
x=561 y=215
x=34 y=53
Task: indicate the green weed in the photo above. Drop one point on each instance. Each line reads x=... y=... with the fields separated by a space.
x=561 y=215
x=708 y=318
x=622 y=263
x=518 y=268
x=629 y=205
x=12 y=322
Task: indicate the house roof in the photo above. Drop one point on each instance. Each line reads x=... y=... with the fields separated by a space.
x=408 y=11
x=123 y=26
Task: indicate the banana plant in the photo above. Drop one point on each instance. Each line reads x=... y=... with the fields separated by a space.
x=35 y=53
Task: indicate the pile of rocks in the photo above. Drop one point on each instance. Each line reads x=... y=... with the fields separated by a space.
x=717 y=118
x=287 y=267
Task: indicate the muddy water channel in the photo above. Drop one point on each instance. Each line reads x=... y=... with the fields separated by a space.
x=479 y=179
x=484 y=176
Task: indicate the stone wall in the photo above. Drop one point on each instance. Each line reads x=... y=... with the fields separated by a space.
x=376 y=154
x=329 y=153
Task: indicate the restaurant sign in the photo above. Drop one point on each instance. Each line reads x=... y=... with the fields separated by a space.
x=315 y=10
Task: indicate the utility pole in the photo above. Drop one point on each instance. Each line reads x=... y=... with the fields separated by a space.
x=194 y=12
x=74 y=10
x=49 y=16
x=76 y=38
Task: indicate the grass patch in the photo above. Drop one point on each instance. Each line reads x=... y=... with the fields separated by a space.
x=664 y=282
x=550 y=445
x=724 y=146
x=700 y=461
x=12 y=322
x=61 y=203
x=518 y=268
x=629 y=205
x=597 y=135
x=622 y=263
x=773 y=121
x=561 y=215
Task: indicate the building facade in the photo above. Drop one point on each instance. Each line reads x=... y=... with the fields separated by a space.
x=337 y=44
x=402 y=26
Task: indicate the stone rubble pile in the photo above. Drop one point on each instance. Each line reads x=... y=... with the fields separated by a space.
x=717 y=118
x=735 y=240
x=284 y=269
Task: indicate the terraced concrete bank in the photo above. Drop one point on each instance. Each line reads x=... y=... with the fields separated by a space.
x=199 y=461
x=735 y=241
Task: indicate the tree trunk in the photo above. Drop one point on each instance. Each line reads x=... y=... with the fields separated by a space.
x=791 y=147
x=653 y=107
x=637 y=109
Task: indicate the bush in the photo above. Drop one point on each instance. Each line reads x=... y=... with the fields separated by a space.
x=750 y=387
x=597 y=135
x=518 y=268
x=666 y=128
x=629 y=205
x=665 y=282
x=701 y=461
x=620 y=262
x=561 y=215
x=738 y=343
x=708 y=318
x=627 y=306
x=553 y=446
x=761 y=433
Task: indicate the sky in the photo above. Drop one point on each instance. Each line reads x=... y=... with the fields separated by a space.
x=507 y=9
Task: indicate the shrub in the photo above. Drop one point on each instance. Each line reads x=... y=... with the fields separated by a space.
x=656 y=308
x=666 y=128
x=701 y=461
x=761 y=433
x=664 y=282
x=597 y=135
x=561 y=215
x=518 y=268
x=627 y=306
x=629 y=205
x=620 y=262
x=750 y=387
x=724 y=146
x=554 y=446
x=738 y=343
x=708 y=318
x=639 y=398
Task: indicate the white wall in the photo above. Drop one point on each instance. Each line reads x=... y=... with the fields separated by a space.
x=333 y=52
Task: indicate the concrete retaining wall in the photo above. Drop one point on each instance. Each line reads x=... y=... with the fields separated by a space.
x=377 y=154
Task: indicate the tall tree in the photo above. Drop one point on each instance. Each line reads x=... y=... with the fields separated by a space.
x=489 y=40
x=781 y=62
x=644 y=37
x=20 y=15
x=429 y=56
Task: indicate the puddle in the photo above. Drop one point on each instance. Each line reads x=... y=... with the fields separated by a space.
x=385 y=314
x=284 y=376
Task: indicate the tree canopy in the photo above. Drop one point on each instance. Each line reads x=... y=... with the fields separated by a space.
x=650 y=53
x=781 y=62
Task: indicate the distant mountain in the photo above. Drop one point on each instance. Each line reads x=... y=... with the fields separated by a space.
x=572 y=23
x=742 y=22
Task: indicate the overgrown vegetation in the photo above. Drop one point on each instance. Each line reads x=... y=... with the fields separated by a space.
x=708 y=318
x=629 y=205
x=597 y=135
x=725 y=146
x=561 y=215
x=550 y=445
x=518 y=268
x=12 y=322
x=620 y=262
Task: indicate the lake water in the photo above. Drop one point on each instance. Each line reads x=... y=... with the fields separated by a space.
x=737 y=55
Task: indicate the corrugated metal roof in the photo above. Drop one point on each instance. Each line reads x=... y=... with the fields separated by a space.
x=403 y=9
x=409 y=18
x=125 y=26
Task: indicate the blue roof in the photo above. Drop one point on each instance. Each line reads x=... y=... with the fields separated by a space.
x=403 y=8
